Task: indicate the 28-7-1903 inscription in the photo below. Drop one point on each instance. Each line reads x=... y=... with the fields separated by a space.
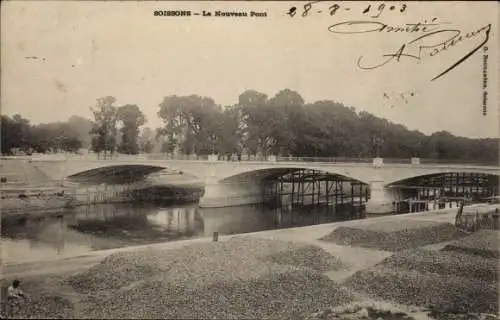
x=205 y=13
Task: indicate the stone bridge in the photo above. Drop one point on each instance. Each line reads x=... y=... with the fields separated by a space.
x=230 y=183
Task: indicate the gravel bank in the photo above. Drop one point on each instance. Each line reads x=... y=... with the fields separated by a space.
x=116 y=271
x=285 y=295
x=394 y=235
x=308 y=256
x=359 y=311
x=483 y=243
x=463 y=316
x=449 y=294
x=243 y=277
x=42 y=303
x=445 y=263
x=202 y=263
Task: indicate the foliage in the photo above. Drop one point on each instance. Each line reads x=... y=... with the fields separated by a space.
x=104 y=130
x=282 y=125
x=146 y=141
x=286 y=125
x=18 y=133
x=80 y=128
x=131 y=118
x=191 y=124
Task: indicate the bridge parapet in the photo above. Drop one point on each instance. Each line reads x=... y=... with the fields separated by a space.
x=212 y=157
x=255 y=158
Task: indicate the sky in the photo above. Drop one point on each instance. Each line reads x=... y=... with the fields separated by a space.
x=87 y=50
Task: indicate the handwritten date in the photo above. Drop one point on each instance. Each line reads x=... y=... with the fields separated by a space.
x=372 y=11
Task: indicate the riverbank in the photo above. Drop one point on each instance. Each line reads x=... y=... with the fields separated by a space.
x=308 y=234
x=272 y=279
x=313 y=275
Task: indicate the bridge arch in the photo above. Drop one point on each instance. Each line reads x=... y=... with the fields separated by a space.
x=393 y=177
x=434 y=178
x=293 y=186
x=447 y=186
x=269 y=172
x=117 y=173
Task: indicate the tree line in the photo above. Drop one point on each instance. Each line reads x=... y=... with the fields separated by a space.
x=18 y=134
x=282 y=125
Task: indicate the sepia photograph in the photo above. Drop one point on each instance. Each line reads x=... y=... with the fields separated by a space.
x=250 y=160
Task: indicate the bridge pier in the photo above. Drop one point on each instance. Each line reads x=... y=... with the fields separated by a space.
x=220 y=194
x=381 y=199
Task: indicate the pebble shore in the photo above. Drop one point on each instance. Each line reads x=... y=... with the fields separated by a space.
x=249 y=277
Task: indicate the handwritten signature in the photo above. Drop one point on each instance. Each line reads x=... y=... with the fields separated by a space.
x=431 y=43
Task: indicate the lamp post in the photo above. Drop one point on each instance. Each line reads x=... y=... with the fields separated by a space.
x=377 y=142
x=417 y=152
x=213 y=139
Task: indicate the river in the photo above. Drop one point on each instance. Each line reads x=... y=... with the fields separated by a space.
x=84 y=229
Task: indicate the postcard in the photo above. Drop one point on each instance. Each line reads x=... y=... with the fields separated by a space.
x=277 y=159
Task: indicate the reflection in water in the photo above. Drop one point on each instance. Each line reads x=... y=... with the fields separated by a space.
x=107 y=226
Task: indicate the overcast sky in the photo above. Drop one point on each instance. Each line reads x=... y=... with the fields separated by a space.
x=86 y=50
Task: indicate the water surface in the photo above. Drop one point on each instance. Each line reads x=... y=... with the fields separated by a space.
x=105 y=226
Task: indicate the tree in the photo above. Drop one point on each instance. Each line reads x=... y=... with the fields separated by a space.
x=287 y=111
x=189 y=121
x=55 y=137
x=256 y=122
x=81 y=127
x=284 y=124
x=104 y=129
x=9 y=132
x=71 y=144
x=131 y=118
x=146 y=141
x=228 y=136
x=16 y=134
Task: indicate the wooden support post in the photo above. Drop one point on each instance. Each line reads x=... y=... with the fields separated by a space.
x=342 y=192
x=338 y=193
x=301 y=177
x=319 y=192
x=327 y=191
x=313 y=183
x=352 y=198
